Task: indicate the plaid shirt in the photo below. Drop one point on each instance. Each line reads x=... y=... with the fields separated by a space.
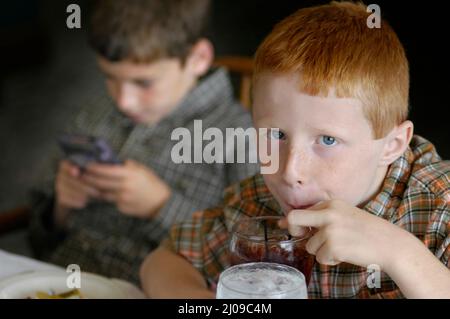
x=415 y=196
x=99 y=238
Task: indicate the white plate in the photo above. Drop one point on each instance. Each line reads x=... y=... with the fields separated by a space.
x=27 y=284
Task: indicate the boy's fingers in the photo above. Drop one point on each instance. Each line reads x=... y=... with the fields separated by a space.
x=77 y=186
x=69 y=168
x=106 y=170
x=102 y=184
x=73 y=200
x=74 y=171
x=130 y=162
x=315 y=242
x=297 y=231
x=84 y=188
x=91 y=191
x=109 y=197
x=325 y=255
x=305 y=218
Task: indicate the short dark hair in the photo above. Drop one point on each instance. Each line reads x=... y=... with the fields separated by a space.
x=143 y=31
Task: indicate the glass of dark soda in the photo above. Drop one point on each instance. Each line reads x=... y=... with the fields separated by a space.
x=260 y=239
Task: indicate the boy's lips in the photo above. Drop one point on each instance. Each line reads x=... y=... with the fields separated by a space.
x=302 y=205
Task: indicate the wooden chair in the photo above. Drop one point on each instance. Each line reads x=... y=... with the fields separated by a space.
x=243 y=67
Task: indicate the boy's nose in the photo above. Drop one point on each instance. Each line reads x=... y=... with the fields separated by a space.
x=126 y=98
x=294 y=172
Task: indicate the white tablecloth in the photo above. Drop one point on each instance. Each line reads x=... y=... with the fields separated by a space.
x=12 y=264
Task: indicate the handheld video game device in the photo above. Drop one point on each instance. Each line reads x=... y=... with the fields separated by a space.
x=83 y=149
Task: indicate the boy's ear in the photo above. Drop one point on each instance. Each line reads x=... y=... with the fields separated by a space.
x=200 y=57
x=397 y=142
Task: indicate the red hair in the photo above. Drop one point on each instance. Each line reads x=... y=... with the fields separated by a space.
x=332 y=48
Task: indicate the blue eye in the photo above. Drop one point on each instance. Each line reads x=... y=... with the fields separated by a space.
x=276 y=134
x=327 y=140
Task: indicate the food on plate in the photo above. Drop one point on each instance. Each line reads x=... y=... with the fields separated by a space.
x=71 y=294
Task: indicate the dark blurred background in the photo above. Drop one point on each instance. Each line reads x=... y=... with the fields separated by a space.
x=48 y=72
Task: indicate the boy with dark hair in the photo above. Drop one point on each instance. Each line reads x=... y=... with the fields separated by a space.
x=157 y=64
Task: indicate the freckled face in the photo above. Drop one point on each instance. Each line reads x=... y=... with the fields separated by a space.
x=326 y=147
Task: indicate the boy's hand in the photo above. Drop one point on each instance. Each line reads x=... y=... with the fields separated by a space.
x=71 y=191
x=348 y=234
x=134 y=188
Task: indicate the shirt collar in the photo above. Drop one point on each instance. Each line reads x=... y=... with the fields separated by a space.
x=386 y=202
x=213 y=90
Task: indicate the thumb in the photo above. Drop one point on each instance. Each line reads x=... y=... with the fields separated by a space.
x=74 y=171
x=130 y=163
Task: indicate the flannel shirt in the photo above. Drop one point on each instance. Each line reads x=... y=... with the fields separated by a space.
x=415 y=196
x=99 y=238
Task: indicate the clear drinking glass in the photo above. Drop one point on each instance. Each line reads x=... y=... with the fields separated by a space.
x=260 y=239
x=261 y=280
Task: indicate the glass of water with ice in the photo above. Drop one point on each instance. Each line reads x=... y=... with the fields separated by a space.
x=261 y=280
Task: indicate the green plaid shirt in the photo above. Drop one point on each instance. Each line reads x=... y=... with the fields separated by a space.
x=415 y=196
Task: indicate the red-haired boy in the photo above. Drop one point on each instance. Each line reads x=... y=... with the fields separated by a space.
x=350 y=167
